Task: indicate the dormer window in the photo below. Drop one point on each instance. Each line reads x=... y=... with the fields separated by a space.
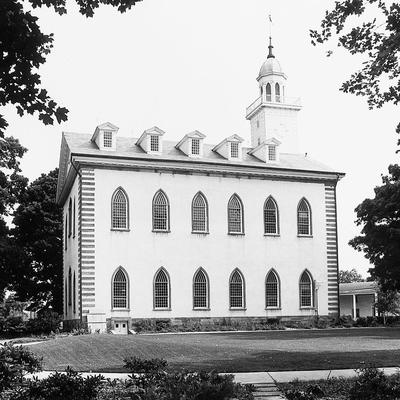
x=234 y=150
x=195 y=146
x=107 y=139
x=154 y=143
x=272 y=153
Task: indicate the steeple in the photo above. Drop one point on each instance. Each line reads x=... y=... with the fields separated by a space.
x=270 y=47
x=273 y=115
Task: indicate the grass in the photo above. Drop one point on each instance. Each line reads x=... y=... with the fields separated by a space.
x=229 y=352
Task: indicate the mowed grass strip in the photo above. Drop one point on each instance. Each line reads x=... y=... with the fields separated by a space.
x=229 y=352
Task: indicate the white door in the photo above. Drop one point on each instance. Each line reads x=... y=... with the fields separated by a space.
x=121 y=328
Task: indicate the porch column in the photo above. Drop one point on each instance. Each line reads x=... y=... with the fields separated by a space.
x=354 y=306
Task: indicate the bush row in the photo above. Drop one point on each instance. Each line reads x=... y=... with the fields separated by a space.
x=150 y=380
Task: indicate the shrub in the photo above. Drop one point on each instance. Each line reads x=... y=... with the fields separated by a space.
x=15 y=362
x=46 y=322
x=140 y=365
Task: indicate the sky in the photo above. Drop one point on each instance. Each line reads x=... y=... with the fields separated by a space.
x=192 y=64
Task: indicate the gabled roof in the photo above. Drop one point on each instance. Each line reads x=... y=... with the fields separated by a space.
x=106 y=126
x=233 y=138
x=267 y=142
x=155 y=130
x=191 y=135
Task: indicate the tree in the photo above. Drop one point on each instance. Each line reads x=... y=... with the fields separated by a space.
x=12 y=185
x=349 y=276
x=380 y=234
x=377 y=39
x=388 y=303
x=24 y=48
x=36 y=268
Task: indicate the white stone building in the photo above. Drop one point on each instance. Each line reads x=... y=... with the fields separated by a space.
x=160 y=229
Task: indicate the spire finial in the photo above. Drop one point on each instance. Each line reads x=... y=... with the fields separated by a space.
x=270 y=47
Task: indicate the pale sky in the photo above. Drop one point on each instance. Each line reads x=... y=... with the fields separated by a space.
x=192 y=64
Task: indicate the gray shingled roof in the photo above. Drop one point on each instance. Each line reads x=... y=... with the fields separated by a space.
x=80 y=144
x=358 y=288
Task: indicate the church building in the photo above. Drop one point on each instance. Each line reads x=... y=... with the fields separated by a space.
x=160 y=229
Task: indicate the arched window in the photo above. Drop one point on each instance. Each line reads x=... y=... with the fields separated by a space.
x=268 y=92
x=119 y=210
x=236 y=290
x=199 y=214
x=120 y=289
x=306 y=290
x=66 y=297
x=69 y=287
x=160 y=212
x=161 y=290
x=277 y=93
x=271 y=217
x=235 y=215
x=70 y=218
x=303 y=218
x=74 y=293
x=200 y=290
x=66 y=233
x=74 y=221
x=272 y=290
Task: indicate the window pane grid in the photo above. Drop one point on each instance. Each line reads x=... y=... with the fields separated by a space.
x=234 y=149
x=200 y=291
x=270 y=217
x=160 y=213
x=305 y=291
x=199 y=214
x=272 y=153
x=235 y=217
x=236 y=291
x=119 y=211
x=271 y=291
x=196 y=146
x=154 y=143
x=303 y=219
x=161 y=291
x=107 y=139
x=120 y=290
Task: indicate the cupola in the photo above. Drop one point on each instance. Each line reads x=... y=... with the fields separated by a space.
x=192 y=144
x=105 y=136
x=230 y=148
x=151 y=140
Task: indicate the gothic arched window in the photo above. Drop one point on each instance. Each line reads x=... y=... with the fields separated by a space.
x=161 y=290
x=306 y=290
x=69 y=287
x=120 y=289
x=74 y=220
x=119 y=210
x=304 y=218
x=160 y=212
x=268 y=92
x=70 y=218
x=277 y=93
x=271 y=217
x=200 y=290
x=236 y=290
x=272 y=290
x=74 y=293
x=235 y=215
x=199 y=214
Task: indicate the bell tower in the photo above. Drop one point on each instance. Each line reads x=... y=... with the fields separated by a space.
x=272 y=114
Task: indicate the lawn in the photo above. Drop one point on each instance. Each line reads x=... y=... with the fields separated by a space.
x=229 y=352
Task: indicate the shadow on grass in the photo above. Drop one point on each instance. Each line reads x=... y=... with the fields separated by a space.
x=288 y=361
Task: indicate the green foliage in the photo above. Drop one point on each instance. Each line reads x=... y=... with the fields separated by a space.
x=311 y=392
x=36 y=269
x=25 y=48
x=349 y=276
x=380 y=234
x=15 y=362
x=140 y=365
x=388 y=303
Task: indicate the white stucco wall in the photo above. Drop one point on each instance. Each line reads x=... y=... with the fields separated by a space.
x=142 y=252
